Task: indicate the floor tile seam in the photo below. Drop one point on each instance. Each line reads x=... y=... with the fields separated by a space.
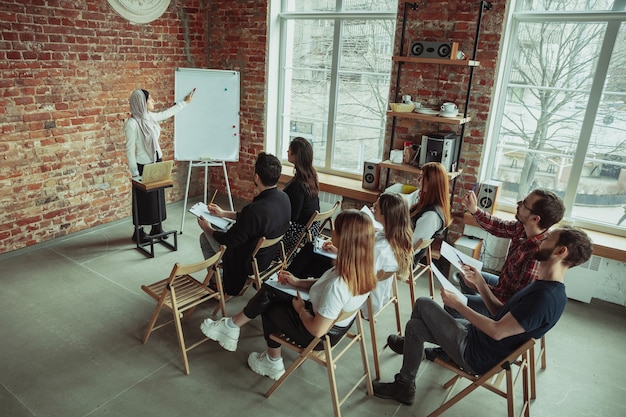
x=128 y=388
x=93 y=271
x=17 y=398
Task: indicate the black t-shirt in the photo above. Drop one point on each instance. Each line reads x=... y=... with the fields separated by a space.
x=537 y=308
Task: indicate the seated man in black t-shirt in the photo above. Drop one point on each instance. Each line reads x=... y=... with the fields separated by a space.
x=477 y=342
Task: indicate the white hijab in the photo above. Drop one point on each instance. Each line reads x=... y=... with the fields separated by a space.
x=149 y=127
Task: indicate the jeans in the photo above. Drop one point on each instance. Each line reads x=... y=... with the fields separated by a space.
x=431 y=323
x=474 y=300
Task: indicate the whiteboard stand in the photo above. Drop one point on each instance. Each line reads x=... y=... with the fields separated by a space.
x=206 y=165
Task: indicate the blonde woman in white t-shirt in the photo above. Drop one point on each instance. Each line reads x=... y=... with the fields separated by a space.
x=393 y=249
x=344 y=287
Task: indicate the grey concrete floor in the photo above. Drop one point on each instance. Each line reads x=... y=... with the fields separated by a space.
x=73 y=314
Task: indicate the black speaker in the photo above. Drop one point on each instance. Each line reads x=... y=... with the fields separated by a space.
x=441 y=50
x=371 y=174
x=487 y=195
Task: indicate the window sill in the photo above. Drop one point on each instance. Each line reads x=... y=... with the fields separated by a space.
x=346 y=187
x=604 y=245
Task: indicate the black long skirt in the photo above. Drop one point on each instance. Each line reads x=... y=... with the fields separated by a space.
x=148 y=203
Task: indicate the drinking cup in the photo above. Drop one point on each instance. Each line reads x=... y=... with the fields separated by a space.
x=449 y=107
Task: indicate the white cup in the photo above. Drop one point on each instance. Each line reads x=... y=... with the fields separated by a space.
x=406 y=99
x=449 y=108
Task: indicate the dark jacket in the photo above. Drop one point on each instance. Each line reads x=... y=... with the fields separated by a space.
x=267 y=215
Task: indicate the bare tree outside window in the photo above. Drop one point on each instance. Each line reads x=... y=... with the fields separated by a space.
x=561 y=122
x=335 y=72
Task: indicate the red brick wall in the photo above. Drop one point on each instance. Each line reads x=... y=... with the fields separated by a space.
x=434 y=84
x=238 y=41
x=68 y=68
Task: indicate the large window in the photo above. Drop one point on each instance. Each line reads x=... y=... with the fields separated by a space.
x=559 y=115
x=333 y=72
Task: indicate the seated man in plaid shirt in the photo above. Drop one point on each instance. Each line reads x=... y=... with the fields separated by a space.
x=535 y=214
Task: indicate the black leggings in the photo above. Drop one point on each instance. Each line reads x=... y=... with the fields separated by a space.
x=307 y=263
x=279 y=317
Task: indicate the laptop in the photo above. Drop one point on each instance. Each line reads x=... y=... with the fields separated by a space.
x=157 y=171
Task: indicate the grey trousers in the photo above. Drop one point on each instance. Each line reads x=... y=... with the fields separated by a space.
x=431 y=323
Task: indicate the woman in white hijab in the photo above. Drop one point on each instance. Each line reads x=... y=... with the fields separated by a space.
x=142 y=147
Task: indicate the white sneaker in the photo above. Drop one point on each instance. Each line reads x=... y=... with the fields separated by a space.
x=220 y=332
x=264 y=366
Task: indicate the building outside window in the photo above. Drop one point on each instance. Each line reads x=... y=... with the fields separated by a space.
x=333 y=72
x=559 y=114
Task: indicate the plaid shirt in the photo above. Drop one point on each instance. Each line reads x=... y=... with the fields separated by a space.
x=519 y=269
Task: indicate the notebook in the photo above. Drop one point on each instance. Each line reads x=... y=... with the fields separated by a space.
x=158 y=171
x=317 y=248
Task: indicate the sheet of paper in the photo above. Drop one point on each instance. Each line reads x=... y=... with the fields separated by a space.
x=317 y=248
x=221 y=223
x=273 y=282
x=453 y=255
x=377 y=225
x=448 y=285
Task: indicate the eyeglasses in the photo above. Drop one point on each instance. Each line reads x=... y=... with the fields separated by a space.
x=523 y=202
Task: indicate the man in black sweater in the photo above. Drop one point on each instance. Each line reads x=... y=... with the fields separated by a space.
x=266 y=216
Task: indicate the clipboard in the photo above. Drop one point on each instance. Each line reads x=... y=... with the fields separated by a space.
x=219 y=223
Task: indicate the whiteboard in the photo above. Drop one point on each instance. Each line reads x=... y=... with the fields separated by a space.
x=208 y=127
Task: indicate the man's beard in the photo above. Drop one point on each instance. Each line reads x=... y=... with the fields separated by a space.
x=543 y=255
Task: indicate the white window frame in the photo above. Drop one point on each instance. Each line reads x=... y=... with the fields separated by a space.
x=613 y=19
x=277 y=51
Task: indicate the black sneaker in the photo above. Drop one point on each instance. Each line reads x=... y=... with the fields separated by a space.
x=396 y=343
x=400 y=391
x=433 y=353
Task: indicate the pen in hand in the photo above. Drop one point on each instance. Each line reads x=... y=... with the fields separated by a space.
x=460 y=260
x=213 y=198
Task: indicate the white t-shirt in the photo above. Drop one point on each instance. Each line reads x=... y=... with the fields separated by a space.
x=330 y=295
x=384 y=260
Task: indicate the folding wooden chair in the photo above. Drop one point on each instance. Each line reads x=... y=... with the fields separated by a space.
x=520 y=357
x=373 y=315
x=328 y=358
x=259 y=276
x=533 y=365
x=181 y=293
x=325 y=218
x=419 y=269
